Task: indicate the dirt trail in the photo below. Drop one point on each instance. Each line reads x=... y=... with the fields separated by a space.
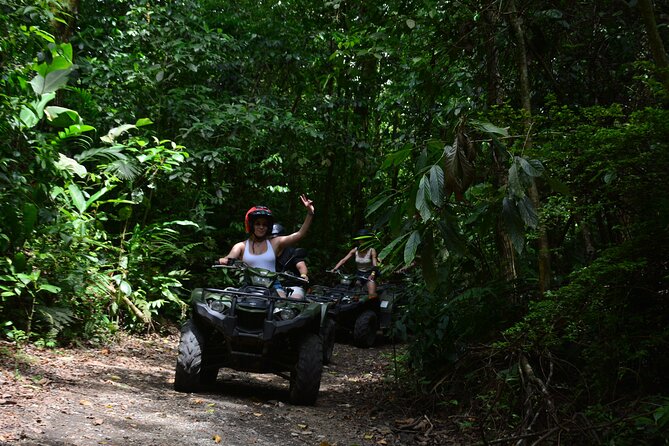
x=122 y=395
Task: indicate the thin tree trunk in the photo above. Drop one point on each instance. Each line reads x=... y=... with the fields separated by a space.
x=655 y=41
x=525 y=96
x=492 y=58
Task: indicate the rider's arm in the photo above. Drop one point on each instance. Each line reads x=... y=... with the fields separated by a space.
x=302 y=268
x=237 y=252
x=374 y=264
x=279 y=243
x=345 y=259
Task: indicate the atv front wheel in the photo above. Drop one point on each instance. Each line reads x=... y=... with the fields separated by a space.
x=305 y=379
x=190 y=373
x=364 y=332
x=328 y=335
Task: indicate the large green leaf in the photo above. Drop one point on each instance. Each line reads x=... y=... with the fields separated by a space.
x=458 y=170
x=31 y=114
x=490 y=128
x=114 y=133
x=143 y=121
x=61 y=59
x=411 y=247
x=377 y=203
x=515 y=184
x=93 y=198
x=388 y=249
x=513 y=224
x=74 y=131
x=527 y=212
x=397 y=158
x=62 y=117
x=423 y=197
x=533 y=168
x=437 y=185
x=77 y=198
x=29 y=218
x=50 y=288
x=52 y=82
x=70 y=165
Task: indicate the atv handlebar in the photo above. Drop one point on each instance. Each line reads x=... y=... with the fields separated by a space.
x=242 y=266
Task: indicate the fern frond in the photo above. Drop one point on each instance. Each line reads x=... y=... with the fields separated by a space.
x=57 y=317
x=125 y=169
x=111 y=154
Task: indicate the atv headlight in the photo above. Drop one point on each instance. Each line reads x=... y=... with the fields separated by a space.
x=285 y=314
x=219 y=305
x=262 y=281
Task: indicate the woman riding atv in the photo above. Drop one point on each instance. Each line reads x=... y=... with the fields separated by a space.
x=365 y=261
x=260 y=250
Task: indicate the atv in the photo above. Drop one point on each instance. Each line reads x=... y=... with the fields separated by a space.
x=252 y=328
x=354 y=312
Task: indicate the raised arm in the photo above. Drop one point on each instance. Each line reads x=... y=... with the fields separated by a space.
x=278 y=243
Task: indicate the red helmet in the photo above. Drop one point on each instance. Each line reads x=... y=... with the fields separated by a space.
x=256 y=212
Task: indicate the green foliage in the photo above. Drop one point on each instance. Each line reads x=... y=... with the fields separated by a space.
x=61 y=262
x=403 y=118
x=610 y=319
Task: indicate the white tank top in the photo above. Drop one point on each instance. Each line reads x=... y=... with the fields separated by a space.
x=266 y=260
x=364 y=262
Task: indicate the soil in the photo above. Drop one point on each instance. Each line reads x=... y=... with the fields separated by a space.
x=122 y=394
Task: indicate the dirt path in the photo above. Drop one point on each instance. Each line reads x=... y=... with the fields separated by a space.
x=122 y=395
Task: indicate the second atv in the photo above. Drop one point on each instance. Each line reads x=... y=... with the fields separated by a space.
x=354 y=311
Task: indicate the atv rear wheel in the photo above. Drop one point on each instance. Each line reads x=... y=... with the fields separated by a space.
x=189 y=374
x=364 y=331
x=305 y=379
x=328 y=335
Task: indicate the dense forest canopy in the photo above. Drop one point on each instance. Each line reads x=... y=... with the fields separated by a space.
x=511 y=157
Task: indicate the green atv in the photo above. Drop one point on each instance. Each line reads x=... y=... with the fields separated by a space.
x=251 y=328
x=354 y=312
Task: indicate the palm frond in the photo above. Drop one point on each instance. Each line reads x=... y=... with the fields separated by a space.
x=126 y=169
x=57 y=317
x=109 y=154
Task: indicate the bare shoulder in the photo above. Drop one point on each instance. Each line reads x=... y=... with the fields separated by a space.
x=238 y=248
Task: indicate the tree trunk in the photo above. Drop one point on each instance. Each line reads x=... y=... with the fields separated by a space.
x=492 y=57
x=655 y=42
x=525 y=95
